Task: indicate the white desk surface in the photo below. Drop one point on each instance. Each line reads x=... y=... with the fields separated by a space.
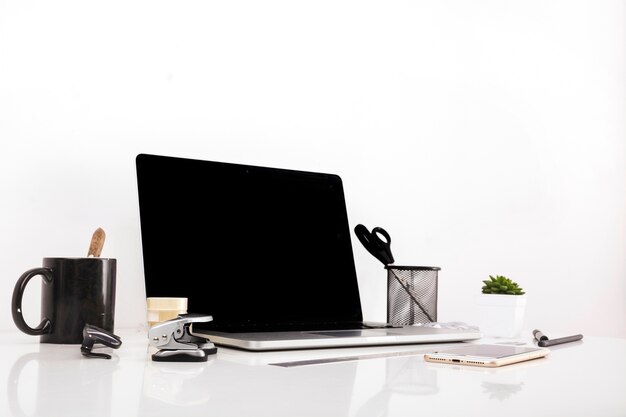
x=586 y=378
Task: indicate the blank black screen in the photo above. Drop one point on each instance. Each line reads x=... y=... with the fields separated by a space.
x=248 y=245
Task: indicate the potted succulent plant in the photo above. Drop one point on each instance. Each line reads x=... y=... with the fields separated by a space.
x=502 y=304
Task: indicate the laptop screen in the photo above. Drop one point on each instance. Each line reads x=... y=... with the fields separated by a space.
x=248 y=245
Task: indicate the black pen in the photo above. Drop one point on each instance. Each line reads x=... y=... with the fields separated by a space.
x=539 y=336
x=543 y=341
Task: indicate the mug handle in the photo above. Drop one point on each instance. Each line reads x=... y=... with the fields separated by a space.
x=16 y=303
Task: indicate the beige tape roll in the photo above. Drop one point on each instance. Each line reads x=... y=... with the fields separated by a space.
x=161 y=309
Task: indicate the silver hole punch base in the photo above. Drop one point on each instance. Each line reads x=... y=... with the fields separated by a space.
x=177 y=344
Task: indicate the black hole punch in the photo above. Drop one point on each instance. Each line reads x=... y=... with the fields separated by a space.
x=93 y=335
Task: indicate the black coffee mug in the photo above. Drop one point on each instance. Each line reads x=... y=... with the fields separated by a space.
x=74 y=292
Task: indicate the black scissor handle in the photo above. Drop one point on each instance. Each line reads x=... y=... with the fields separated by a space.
x=365 y=238
x=363 y=234
x=374 y=244
x=379 y=230
x=383 y=245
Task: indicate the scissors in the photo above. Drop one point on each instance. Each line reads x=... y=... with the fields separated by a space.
x=380 y=248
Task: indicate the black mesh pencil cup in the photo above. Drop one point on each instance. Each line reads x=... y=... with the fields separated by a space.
x=411 y=290
x=411 y=294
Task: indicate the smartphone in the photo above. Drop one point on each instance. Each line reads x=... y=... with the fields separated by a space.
x=490 y=356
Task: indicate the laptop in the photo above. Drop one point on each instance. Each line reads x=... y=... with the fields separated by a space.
x=265 y=251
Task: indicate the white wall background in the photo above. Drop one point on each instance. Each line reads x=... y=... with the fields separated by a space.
x=488 y=137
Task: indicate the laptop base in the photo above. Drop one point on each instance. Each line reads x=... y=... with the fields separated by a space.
x=267 y=341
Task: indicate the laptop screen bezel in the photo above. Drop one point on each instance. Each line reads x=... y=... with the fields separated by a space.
x=161 y=179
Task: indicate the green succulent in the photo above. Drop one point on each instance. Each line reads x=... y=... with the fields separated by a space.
x=501 y=285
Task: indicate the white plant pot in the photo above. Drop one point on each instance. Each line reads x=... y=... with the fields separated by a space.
x=501 y=315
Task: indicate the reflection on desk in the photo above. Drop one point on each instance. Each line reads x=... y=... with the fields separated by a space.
x=55 y=381
x=51 y=380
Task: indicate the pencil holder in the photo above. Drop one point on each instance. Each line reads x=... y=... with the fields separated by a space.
x=411 y=294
